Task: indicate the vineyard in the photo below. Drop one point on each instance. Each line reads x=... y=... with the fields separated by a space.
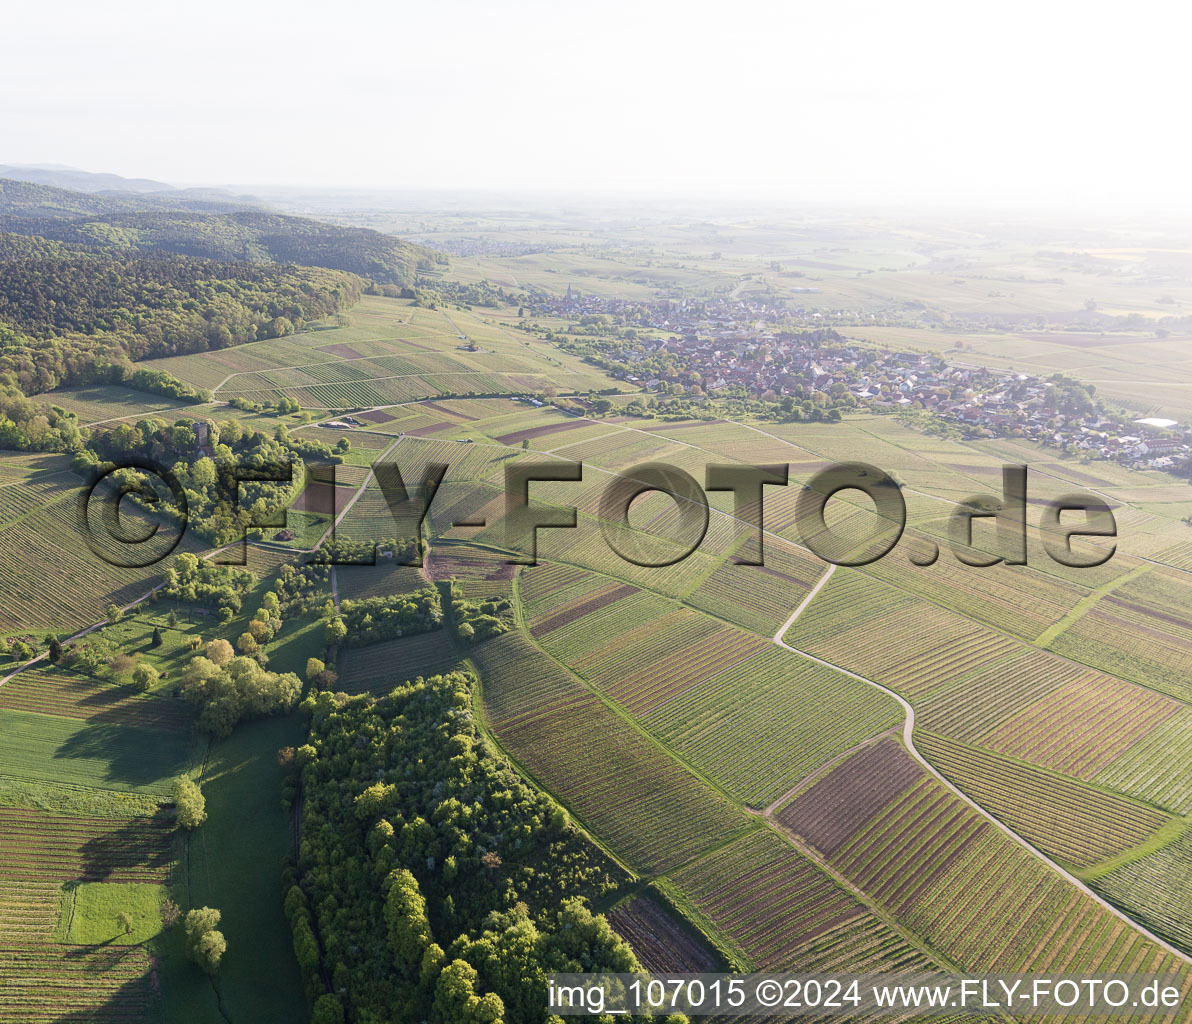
x=981 y=700
x=72 y=585
x=67 y=694
x=909 y=645
x=764 y=724
x=931 y=861
x=378 y=668
x=781 y=911
x=660 y=942
x=357 y=582
x=649 y=810
x=588 y=601
x=670 y=652
x=1065 y=818
x=44 y=979
x=1017 y=599
x=832 y=810
x=1157 y=767
x=1155 y=890
x=396 y=389
x=1138 y=632
x=1081 y=727
x=484 y=574
x=759 y=598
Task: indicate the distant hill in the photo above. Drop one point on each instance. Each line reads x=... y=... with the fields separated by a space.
x=200 y=224
x=80 y=181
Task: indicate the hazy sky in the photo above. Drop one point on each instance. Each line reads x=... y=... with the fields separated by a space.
x=1042 y=101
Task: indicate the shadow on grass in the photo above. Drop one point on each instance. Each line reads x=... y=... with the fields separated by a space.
x=140 y=845
x=134 y=1000
x=135 y=757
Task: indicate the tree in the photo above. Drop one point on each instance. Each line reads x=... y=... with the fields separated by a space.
x=170 y=912
x=114 y=613
x=328 y=1010
x=314 y=668
x=124 y=922
x=336 y=632
x=247 y=644
x=155 y=640
x=456 y=1001
x=191 y=804
x=204 y=943
x=203 y=473
x=220 y=652
x=405 y=915
x=144 y=677
x=172 y=619
x=55 y=654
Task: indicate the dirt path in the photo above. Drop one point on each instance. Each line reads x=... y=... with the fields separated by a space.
x=355 y=498
x=454 y=325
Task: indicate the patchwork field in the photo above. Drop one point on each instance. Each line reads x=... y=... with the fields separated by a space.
x=781 y=911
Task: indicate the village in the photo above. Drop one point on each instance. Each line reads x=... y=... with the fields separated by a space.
x=727 y=347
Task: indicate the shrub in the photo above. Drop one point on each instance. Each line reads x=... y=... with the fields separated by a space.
x=191 y=804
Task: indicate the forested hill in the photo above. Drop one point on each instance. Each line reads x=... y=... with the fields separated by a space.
x=75 y=315
x=214 y=230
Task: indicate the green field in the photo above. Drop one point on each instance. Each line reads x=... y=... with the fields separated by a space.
x=51 y=749
x=233 y=863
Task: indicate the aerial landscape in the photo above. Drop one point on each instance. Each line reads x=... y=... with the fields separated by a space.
x=417 y=589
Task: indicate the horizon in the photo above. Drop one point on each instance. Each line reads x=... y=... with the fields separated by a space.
x=1052 y=108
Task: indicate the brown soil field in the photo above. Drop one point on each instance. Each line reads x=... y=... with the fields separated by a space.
x=660 y=943
x=840 y=803
x=550 y=428
x=343 y=351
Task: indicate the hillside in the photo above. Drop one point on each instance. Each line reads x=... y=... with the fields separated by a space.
x=72 y=315
x=205 y=226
